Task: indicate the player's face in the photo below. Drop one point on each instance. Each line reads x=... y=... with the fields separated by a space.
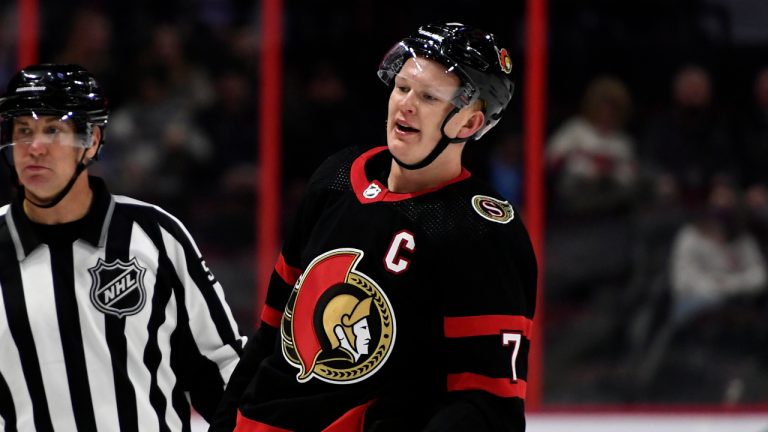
x=45 y=152
x=418 y=105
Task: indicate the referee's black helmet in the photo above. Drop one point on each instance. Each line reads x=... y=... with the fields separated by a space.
x=56 y=89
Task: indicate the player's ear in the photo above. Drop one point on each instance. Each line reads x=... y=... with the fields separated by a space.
x=472 y=124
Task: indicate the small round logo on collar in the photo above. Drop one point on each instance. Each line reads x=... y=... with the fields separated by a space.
x=372 y=191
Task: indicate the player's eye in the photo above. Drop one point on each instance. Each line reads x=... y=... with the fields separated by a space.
x=52 y=131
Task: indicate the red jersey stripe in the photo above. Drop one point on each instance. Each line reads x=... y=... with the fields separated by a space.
x=289 y=274
x=352 y=421
x=245 y=424
x=485 y=325
x=502 y=387
x=271 y=316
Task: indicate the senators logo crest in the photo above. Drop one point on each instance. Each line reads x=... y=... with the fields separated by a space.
x=493 y=209
x=338 y=325
x=504 y=60
x=117 y=288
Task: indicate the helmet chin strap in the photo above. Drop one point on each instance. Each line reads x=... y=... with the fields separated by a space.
x=441 y=145
x=81 y=166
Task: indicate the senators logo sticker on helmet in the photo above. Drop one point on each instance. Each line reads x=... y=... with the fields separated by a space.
x=493 y=209
x=338 y=325
x=505 y=61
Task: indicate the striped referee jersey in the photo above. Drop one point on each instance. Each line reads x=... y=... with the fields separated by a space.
x=109 y=323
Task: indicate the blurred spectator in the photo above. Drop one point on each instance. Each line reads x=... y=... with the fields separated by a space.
x=591 y=157
x=715 y=258
x=321 y=109
x=158 y=152
x=589 y=247
x=505 y=170
x=8 y=42
x=186 y=81
x=753 y=133
x=688 y=141
x=89 y=44
x=230 y=124
x=756 y=204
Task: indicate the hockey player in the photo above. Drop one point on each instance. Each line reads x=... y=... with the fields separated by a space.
x=404 y=294
x=109 y=318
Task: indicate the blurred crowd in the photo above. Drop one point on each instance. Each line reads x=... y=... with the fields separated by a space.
x=656 y=265
x=657 y=206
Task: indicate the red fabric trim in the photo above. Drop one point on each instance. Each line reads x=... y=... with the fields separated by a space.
x=244 y=424
x=351 y=421
x=502 y=387
x=271 y=316
x=360 y=182
x=484 y=325
x=289 y=274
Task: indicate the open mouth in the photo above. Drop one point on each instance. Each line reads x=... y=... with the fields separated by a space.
x=403 y=128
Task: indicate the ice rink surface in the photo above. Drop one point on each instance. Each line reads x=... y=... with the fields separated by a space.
x=594 y=422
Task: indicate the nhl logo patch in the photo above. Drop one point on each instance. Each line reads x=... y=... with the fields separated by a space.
x=493 y=209
x=117 y=288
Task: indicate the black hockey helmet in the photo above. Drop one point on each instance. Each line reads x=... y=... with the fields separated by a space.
x=472 y=54
x=56 y=89
x=67 y=91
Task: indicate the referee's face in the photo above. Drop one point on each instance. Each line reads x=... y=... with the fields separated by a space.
x=45 y=152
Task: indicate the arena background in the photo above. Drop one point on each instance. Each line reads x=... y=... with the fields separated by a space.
x=186 y=84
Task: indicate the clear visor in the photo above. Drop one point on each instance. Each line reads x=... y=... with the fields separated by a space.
x=425 y=88
x=43 y=130
x=391 y=67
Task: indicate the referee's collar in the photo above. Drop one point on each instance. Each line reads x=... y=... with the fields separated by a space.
x=96 y=221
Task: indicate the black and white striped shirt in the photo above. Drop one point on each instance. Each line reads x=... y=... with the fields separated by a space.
x=109 y=323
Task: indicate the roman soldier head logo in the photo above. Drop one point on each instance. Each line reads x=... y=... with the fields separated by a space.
x=338 y=325
x=117 y=288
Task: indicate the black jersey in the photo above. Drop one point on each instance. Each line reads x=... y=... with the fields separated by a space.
x=391 y=311
x=112 y=322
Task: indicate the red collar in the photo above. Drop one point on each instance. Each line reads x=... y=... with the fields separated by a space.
x=369 y=191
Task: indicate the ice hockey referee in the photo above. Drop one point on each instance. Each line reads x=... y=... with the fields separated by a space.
x=109 y=317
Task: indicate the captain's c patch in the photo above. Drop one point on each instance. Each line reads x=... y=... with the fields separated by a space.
x=493 y=209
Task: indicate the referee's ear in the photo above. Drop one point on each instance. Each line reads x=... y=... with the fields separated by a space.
x=92 y=151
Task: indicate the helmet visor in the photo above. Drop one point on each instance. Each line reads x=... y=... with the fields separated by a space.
x=415 y=78
x=41 y=129
x=394 y=60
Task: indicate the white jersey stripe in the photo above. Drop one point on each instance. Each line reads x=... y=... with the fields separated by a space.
x=136 y=330
x=10 y=368
x=165 y=376
x=195 y=304
x=100 y=374
x=40 y=302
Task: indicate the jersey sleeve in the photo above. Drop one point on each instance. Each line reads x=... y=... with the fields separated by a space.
x=210 y=343
x=488 y=308
x=284 y=275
